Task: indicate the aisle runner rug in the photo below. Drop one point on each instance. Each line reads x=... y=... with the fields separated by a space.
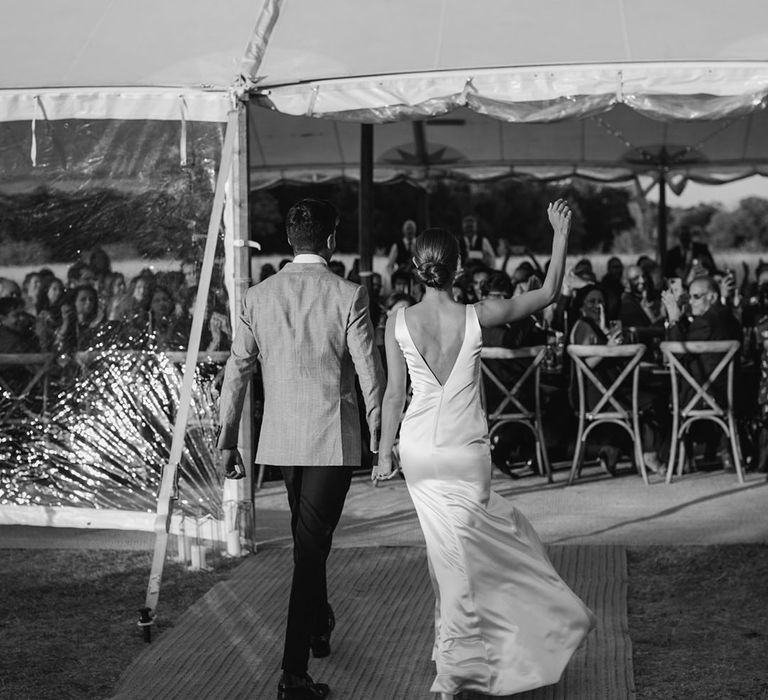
x=229 y=643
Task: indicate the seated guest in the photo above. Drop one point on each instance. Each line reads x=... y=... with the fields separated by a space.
x=337 y=267
x=462 y=283
x=638 y=310
x=613 y=287
x=81 y=323
x=687 y=254
x=402 y=281
x=523 y=272
x=101 y=267
x=9 y=288
x=354 y=272
x=167 y=330
x=14 y=339
x=79 y=274
x=564 y=315
x=267 y=270
x=133 y=308
x=54 y=293
x=31 y=293
x=583 y=268
x=480 y=274
x=496 y=286
x=710 y=320
x=49 y=319
x=115 y=294
x=589 y=329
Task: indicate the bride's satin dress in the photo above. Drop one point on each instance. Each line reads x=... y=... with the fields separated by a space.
x=505 y=622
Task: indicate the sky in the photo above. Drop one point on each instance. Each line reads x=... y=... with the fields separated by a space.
x=729 y=195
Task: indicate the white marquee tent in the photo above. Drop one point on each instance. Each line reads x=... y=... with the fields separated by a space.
x=603 y=88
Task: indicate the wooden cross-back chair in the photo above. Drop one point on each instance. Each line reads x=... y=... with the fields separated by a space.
x=513 y=405
x=703 y=405
x=609 y=408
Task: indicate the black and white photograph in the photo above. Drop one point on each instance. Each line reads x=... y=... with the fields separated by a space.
x=383 y=350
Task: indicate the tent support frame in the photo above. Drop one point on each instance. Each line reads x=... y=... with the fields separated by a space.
x=167 y=495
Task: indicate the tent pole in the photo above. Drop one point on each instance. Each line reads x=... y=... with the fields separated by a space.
x=424 y=207
x=365 y=205
x=238 y=494
x=661 y=238
x=166 y=494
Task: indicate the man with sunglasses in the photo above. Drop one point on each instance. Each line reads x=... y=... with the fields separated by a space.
x=709 y=320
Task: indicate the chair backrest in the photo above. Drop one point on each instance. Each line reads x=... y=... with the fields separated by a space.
x=630 y=354
x=525 y=375
x=675 y=352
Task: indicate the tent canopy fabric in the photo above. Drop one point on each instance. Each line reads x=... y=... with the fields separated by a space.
x=383 y=61
x=121 y=59
x=607 y=89
x=615 y=146
x=604 y=89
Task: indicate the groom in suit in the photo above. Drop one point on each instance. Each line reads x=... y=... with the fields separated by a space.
x=310 y=332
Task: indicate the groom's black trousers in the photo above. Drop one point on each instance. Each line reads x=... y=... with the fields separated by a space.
x=316 y=496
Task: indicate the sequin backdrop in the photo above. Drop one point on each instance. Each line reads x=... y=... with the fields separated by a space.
x=99 y=434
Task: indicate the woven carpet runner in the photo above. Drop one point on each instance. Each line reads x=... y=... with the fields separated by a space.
x=228 y=645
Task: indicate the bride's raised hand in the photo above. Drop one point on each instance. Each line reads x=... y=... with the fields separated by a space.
x=559 y=215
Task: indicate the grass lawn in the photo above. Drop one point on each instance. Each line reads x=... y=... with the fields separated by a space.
x=68 y=617
x=698 y=618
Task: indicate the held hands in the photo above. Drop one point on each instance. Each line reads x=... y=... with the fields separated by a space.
x=560 y=218
x=385 y=468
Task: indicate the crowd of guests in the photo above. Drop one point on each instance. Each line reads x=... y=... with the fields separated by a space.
x=689 y=299
x=97 y=308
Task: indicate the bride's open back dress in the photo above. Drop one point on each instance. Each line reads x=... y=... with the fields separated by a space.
x=505 y=622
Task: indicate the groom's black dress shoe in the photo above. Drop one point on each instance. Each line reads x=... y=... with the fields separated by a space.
x=302 y=687
x=320 y=644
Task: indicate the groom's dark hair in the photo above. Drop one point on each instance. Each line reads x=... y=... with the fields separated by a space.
x=309 y=223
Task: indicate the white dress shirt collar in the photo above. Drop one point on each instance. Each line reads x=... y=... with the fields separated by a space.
x=304 y=258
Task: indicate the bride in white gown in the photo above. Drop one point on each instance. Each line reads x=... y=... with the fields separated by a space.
x=505 y=622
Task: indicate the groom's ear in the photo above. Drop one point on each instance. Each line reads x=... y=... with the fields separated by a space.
x=330 y=242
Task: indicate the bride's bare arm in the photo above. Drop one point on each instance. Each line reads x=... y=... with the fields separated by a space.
x=497 y=312
x=394 y=398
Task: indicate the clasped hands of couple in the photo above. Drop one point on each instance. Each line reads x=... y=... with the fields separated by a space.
x=385 y=466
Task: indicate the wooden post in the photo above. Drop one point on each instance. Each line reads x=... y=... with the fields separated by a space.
x=365 y=205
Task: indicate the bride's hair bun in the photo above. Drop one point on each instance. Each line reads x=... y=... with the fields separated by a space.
x=436 y=254
x=433 y=274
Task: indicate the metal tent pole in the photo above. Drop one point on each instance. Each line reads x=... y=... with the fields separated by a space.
x=238 y=493
x=365 y=205
x=661 y=233
x=166 y=494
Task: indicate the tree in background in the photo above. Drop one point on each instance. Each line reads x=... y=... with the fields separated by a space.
x=745 y=227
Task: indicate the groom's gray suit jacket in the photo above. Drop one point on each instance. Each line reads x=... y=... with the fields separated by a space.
x=310 y=331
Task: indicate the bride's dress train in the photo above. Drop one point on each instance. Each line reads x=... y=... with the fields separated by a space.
x=505 y=622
